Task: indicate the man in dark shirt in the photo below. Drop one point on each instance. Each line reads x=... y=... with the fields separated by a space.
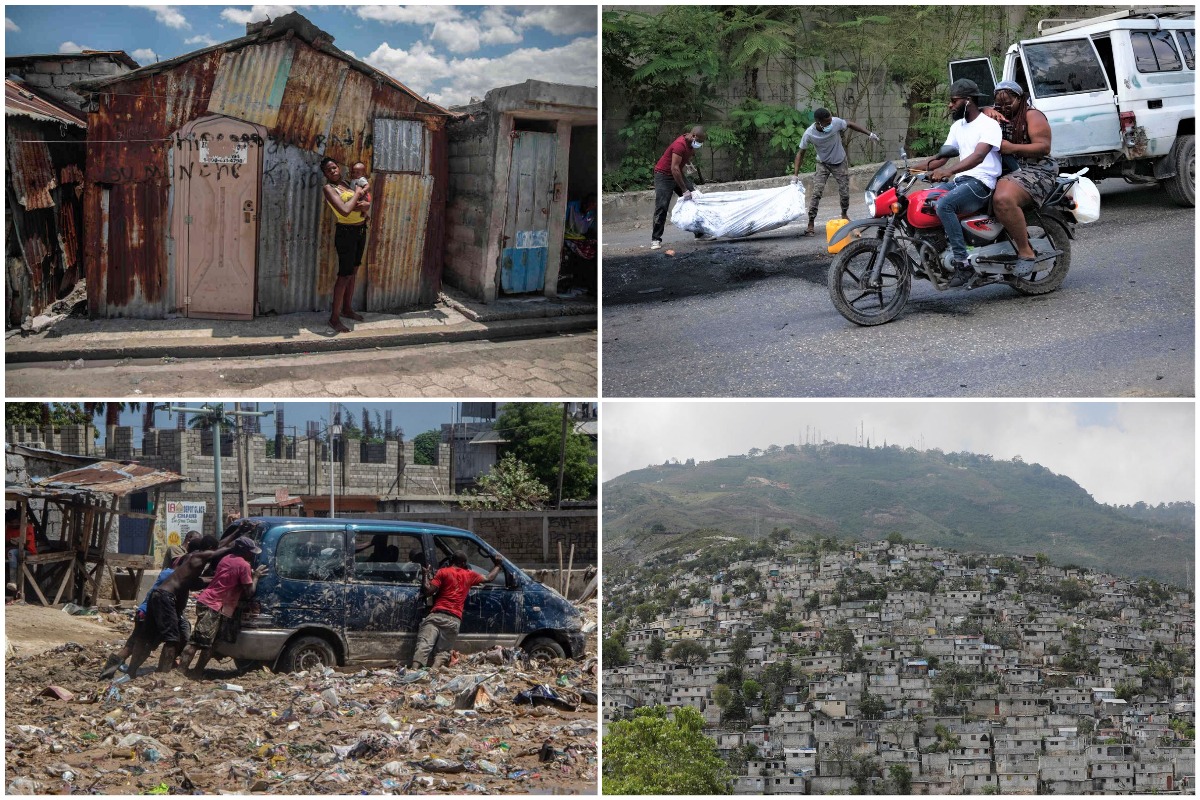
x=669 y=178
x=451 y=584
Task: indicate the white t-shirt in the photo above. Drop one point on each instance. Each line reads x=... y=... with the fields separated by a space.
x=966 y=136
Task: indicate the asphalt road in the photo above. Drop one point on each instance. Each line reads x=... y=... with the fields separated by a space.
x=752 y=318
x=553 y=367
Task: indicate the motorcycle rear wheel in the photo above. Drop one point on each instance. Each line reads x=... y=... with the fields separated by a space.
x=868 y=305
x=1047 y=279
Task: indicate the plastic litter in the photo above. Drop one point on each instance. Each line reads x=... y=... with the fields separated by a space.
x=1086 y=195
x=543 y=695
x=736 y=214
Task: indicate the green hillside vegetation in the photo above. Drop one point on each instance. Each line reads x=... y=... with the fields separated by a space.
x=965 y=501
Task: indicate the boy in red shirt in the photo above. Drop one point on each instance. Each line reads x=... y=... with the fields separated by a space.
x=12 y=545
x=451 y=585
x=232 y=580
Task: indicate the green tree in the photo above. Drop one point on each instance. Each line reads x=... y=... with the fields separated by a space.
x=535 y=437
x=510 y=486
x=425 y=447
x=688 y=651
x=721 y=695
x=654 y=754
x=42 y=414
x=751 y=689
x=741 y=643
x=871 y=706
x=615 y=654
x=901 y=778
x=655 y=651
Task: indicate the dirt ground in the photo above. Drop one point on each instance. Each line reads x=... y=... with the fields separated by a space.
x=373 y=731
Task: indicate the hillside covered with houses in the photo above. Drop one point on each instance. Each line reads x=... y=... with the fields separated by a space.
x=898 y=667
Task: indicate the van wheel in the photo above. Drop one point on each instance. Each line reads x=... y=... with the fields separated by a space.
x=305 y=653
x=544 y=648
x=1182 y=187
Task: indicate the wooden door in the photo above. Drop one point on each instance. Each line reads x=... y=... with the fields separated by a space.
x=526 y=246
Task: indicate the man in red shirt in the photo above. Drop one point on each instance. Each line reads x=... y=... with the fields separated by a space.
x=232 y=580
x=451 y=585
x=669 y=178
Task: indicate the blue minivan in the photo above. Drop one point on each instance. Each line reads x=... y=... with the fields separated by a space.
x=346 y=590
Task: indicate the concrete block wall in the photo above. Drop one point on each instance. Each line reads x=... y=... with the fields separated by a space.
x=469 y=202
x=55 y=76
x=74 y=439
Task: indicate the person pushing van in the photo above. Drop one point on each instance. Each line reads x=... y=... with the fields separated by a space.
x=440 y=628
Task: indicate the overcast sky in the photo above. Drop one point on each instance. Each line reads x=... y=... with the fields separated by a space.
x=1119 y=452
x=448 y=54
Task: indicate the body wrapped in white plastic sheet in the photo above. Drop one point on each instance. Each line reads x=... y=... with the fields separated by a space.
x=733 y=214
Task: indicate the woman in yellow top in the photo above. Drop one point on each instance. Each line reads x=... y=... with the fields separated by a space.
x=349 y=207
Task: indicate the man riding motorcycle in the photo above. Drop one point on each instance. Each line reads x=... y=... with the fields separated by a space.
x=978 y=138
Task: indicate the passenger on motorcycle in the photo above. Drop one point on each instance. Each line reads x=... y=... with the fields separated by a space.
x=977 y=138
x=1029 y=171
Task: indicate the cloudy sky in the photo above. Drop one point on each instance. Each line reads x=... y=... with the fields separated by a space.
x=448 y=54
x=1119 y=452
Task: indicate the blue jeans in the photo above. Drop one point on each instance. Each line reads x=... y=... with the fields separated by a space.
x=968 y=196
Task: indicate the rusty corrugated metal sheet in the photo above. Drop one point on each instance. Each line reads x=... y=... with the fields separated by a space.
x=20 y=100
x=348 y=136
x=68 y=232
x=111 y=478
x=250 y=82
x=30 y=172
x=439 y=170
x=135 y=249
x=397 y=245
x=399 y=145
x=290 y=231
x=309 y=101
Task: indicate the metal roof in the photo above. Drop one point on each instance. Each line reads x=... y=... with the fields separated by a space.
x=109 y=477
x=490 y=437
x=287 y=26
x=22 y=101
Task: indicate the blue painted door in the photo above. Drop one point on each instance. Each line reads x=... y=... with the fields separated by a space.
x=531 y=178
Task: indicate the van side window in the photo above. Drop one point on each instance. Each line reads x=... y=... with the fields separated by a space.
x=1187 y=43
x=1154 y=51
x=1067 y=67
x=388 y=557
x=478 y=559
x=311 y=556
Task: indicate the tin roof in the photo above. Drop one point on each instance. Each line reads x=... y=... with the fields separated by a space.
x=22 y=101
x=285 y=27
x=120 y=56
x=109 y=477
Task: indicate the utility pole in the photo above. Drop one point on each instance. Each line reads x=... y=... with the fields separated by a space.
x=216 y=415
x=562 y=457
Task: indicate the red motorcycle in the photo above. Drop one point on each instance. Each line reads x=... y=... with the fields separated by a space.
x=871 y=277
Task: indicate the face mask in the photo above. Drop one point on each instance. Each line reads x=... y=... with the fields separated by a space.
x=697 y=145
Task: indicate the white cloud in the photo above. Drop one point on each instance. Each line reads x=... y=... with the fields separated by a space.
x=170 y=16
x=412 y=15
x=1119 y=452
x=144 y=55
x=240 y=16
x=204 y=40
x=560 y=20
x=460 y=36
x=422 y=69
x=71 y=47
x=10 y=26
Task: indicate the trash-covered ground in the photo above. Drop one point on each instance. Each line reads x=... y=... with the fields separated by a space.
x=491 y=723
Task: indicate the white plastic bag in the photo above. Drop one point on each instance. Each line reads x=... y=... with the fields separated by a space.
x=735 y=214
x=1087 y=198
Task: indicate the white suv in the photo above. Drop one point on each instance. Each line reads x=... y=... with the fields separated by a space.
x=1118 y=90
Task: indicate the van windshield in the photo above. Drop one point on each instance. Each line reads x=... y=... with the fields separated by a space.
x=479 y=558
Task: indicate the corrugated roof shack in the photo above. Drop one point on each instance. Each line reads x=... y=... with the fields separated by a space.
x=516 y=159
x=203 y=194
x=44 y=208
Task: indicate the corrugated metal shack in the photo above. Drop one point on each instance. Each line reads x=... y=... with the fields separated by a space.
x=44 y=210
x=203 y=197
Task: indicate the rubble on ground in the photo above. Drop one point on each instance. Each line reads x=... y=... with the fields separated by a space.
x=490 y=723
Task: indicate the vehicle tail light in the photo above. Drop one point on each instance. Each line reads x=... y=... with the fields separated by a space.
x=1128 y=121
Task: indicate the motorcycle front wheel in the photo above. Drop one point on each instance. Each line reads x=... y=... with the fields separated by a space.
x=853 y=298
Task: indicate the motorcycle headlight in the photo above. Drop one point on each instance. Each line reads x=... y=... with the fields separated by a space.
x=869 y=196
